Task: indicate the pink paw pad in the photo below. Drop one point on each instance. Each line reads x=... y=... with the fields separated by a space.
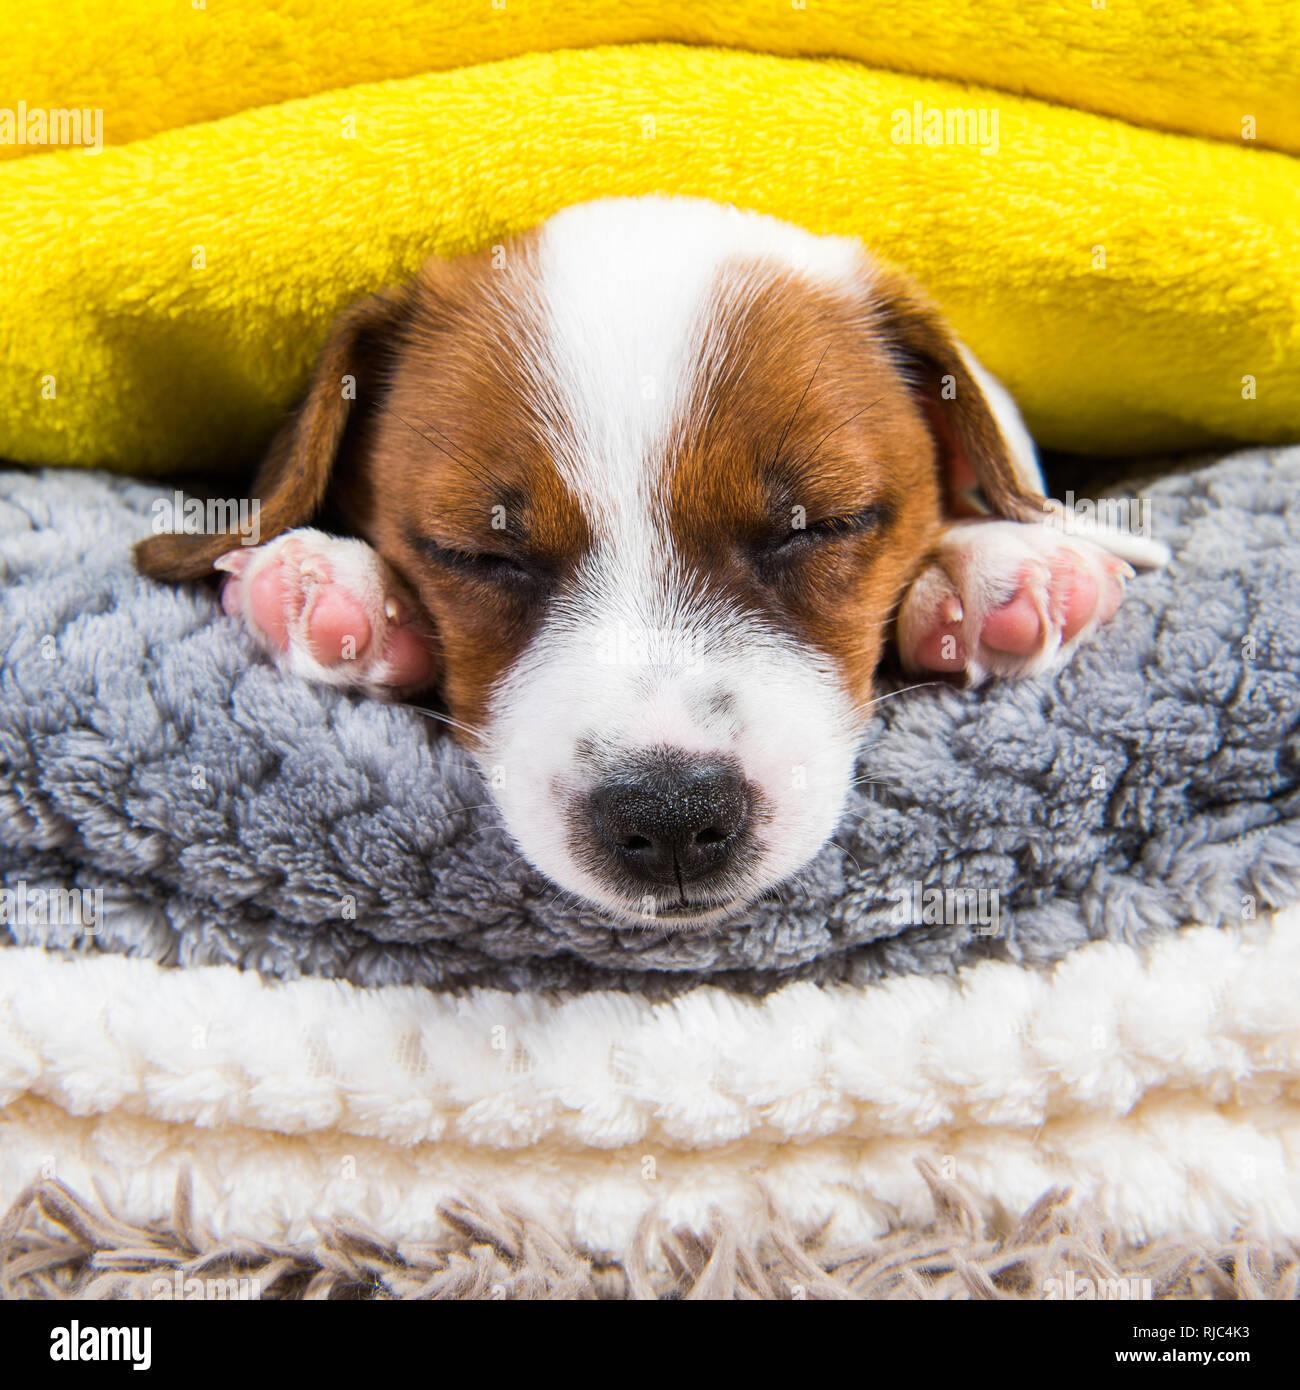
x=1004 y=599
x=1072 y=589
x=329 y=608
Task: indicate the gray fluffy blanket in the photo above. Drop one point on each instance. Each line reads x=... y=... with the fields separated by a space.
x=231 y=814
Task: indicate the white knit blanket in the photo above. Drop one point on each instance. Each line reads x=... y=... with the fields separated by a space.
x=1164 y=1085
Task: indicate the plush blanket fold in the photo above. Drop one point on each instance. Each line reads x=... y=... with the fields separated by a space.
x=1201 y=71
x=161 y=302
x=1160 y=1086
x=225 y=812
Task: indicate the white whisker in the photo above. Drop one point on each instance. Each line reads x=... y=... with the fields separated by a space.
x=906 y=690
x=444 y=719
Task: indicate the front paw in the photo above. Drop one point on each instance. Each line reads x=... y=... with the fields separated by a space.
x=330 y=610
x=1003 y=598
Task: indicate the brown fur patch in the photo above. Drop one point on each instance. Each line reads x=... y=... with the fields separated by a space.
x=805 y=411
x=433 y=450
x=800 y=417
x=970 y=443
x=454 y=464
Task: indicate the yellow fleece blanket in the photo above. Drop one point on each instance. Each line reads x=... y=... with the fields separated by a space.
x=1204 y=69
x=161 y=299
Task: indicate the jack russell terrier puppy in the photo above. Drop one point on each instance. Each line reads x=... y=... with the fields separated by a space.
x=642 y=496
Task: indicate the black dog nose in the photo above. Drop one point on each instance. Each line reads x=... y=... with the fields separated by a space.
x=678 y=818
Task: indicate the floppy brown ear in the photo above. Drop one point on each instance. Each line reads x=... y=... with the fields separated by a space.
x=981 y=439
x=292 y=481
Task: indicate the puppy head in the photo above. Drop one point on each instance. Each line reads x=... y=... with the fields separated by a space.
x=660 y=474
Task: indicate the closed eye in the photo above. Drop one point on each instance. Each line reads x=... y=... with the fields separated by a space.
x=799 y=539
x=487 y=565
x=495 y=566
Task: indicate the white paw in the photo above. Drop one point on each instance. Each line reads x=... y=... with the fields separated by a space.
x=330 y=610
x=1006 y=598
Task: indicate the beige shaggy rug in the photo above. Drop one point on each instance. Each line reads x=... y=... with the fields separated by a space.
x=53 y=1244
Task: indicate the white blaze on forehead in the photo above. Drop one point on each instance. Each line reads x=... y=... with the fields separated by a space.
x=626 y=285
x=627 y=309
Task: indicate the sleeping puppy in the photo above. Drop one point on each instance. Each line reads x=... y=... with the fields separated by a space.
x=642 y=496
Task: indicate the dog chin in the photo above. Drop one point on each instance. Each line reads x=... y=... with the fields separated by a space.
x=634 y=911
x=676 y=917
